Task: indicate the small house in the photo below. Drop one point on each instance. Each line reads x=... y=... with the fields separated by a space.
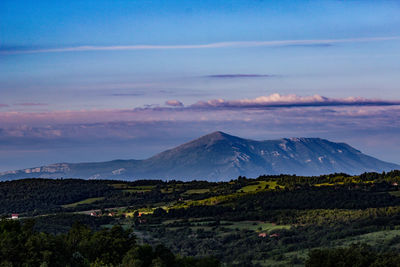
x=14 y=216
x=262 y=234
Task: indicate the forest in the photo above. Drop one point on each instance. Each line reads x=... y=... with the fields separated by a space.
x=282 y=220
x=21 y=245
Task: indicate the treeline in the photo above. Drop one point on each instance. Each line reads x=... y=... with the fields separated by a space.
x=316 y=198
x=20 y=245
x=285 y=205
x=291 y=181
x=62 y=222
x=47 y=194
x=38 y=196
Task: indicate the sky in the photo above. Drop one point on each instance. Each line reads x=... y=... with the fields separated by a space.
x=99 y=80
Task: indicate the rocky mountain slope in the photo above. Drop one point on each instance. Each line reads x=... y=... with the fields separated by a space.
x=220 y=156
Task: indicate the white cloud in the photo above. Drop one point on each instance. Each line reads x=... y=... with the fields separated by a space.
x=237 y=44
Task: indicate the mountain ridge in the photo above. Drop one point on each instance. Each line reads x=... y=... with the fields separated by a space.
x=220 y=156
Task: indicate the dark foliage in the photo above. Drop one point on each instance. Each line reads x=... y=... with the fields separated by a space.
x=46 y=194
x=317 y=198
x=20 y=245
x=356 y=255
x=62 y=223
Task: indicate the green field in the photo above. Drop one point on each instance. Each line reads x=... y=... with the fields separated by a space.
x=208 y=224
x=258 y=226
x=197 y=191
x=260 y=186
x=136 y=190
x=120 y=186
x=82 y=202
x=341 y=181
x=329 y=184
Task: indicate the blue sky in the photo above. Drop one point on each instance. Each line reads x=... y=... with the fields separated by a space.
x=59 y=58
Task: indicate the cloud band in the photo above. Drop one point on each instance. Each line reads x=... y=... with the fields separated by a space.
x=235 y=44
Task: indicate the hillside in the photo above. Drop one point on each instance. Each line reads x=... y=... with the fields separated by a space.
x=276 y=220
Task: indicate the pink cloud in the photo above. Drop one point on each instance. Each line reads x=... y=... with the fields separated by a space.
x=277 y=100
x=146 y=131
x=274 y=107
x=174 y=103
x=142 y=126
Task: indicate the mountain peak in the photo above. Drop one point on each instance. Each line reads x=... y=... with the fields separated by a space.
x=214 y=136
x=220 y=156
x=217 y=134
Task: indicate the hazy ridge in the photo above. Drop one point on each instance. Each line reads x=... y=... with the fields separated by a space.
x=220 y=156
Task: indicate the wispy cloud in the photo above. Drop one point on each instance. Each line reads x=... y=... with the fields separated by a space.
x=128 y=94
x=3 y=105
x=234 y=44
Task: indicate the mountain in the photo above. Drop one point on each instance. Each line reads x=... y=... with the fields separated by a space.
x=220 y=156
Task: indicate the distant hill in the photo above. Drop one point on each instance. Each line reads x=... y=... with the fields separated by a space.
x=220 y=156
